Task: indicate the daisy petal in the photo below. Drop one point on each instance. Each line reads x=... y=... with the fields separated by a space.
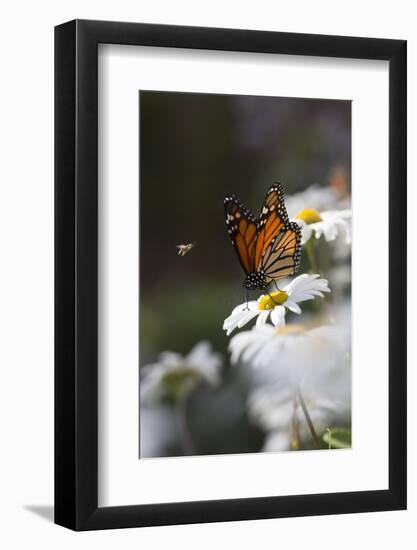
x=292 y=306
x=278 y=315
x=262 y=318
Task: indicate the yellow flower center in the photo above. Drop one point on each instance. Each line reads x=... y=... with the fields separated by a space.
x=290 y=329
x=269 y=301
x=309 y=215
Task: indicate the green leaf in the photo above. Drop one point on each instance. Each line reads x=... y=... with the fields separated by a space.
x=338 y=438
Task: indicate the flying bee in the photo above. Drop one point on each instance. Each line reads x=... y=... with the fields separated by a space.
x=183 y=249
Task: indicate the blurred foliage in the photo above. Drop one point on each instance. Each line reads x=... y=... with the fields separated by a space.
x=338 y=438
x=179 y=321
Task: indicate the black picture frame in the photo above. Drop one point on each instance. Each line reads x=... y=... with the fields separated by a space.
x=76 y=271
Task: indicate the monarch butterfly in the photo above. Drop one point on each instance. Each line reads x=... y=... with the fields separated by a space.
x=268 y=248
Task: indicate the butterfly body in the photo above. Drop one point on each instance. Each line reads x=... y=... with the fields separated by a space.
x=256 y=280
x=268 y=247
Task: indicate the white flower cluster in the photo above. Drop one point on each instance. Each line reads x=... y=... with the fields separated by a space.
x=285 y=361
x=300 y=373
x=317 y=211
x=173 y=371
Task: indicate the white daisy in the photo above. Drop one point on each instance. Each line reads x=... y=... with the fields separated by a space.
x=274 y=305
x=329 y=223
x=175 y=376
x=294 y=352
x=294 y=363
x=317 y=197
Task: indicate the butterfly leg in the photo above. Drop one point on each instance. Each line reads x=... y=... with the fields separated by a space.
x=276 y=286
x=271 y=298
x=247 y=299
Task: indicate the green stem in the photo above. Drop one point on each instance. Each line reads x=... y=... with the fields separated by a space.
x=330 y=437
x=296 y=440
x=308 y=419
x=185 y=434
x=311 y=255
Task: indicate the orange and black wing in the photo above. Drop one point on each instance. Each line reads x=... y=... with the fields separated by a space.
x=282 y=257
x=241 y=226
x=272 y=219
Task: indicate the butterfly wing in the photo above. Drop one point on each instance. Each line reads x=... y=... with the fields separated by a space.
x=241 y=226
x=282 y=257
x=271 y=244
x=272 y=219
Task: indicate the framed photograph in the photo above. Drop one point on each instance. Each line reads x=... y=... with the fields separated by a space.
x=230 y=247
